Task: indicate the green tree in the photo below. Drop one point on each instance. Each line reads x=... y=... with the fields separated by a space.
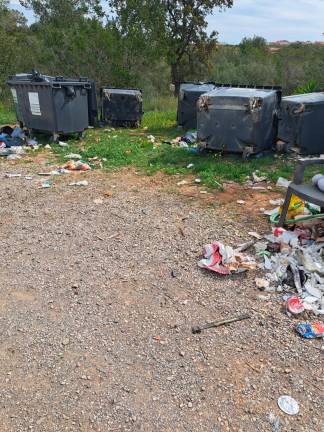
x=63 y=10
x=250 y=45
x=176 y=29
x=16 y=44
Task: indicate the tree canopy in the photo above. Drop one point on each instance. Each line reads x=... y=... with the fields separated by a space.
x=178 y=28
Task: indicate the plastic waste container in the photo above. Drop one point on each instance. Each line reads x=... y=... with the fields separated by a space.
x=53 y=104
x=239 y=119
x=189 y=94
x=121 y=107
x=301 y=122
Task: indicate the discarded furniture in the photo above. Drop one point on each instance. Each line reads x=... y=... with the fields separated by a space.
x=301 y=122
x=306 y=191
x=189 y=94
x=239 y=119
x=121 y=107
x=53 y=104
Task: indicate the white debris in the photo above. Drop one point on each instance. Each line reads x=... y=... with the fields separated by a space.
x=277 y=202
x=73 y=156
x=258 y=179
x=282 y=182
x=255 y=235
x=79 y=183
x=12 y=175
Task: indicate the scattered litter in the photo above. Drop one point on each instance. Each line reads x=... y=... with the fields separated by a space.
x=98 y=201
x=197 y=180
x=293 y=262
x=11 y=136
x=282 y=182
x=151 y=138
x=271 y=212
x=182 y=183
x=288 y=405
x=203 y=192
x=183 y=144
x=258 y=179
x=76 y=166
x=48 y=147
x=199 y=328
x=73 y=156
x=12 y=175
x=240 y=202
x=189 y=138
x=225 y=260
x=28 y=177
x=13 y=157
x=63 y=144
x=258 y=188
x=255 y=235
x=274 y=421
x=79 y=183
x=46 y=184
x=56 y=171
x=108 y=194
x=32 y=143
x=295 y=305
x=277 y=202
x=262 y=284
x=310 y=330
x=191 y=165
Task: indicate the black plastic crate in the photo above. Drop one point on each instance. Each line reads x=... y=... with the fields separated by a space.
x=189 y=94
x=301 y=122
x=239 y=119
x=121 y=107
x=53 y=104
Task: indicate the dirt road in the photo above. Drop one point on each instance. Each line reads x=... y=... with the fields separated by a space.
x=99 y=290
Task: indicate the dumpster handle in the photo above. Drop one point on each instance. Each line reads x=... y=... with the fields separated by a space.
x=55 y=85
x=87 y=86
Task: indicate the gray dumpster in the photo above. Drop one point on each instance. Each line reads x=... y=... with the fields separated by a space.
x=189 y=94
x=53 y=104
x=239 y=119
x=121 y=107
x=301 y=122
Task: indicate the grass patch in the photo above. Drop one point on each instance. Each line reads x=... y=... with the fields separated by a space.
x=6 y=117
x=132 y=147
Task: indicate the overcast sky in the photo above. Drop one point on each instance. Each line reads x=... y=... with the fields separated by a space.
x=273 y=19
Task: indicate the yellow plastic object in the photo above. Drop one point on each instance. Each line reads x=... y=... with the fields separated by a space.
x=296 y=207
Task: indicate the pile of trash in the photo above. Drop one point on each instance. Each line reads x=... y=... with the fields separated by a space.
x=14 y=142
x=187 y=141
x=294 y=265
x=225 y=260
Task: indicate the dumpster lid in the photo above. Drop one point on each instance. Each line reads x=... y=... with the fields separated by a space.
x=309 y=98
x=197 y=87
x=122 y=91
x=241 y=92
x=36 y=77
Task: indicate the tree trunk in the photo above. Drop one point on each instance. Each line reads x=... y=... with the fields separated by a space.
x=176 y=77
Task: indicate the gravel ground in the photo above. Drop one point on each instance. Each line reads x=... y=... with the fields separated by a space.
x=99 y=290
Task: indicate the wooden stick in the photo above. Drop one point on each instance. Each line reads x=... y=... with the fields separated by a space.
x=199 y=329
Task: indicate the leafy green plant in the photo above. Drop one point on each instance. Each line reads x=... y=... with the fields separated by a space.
x=309 y=87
